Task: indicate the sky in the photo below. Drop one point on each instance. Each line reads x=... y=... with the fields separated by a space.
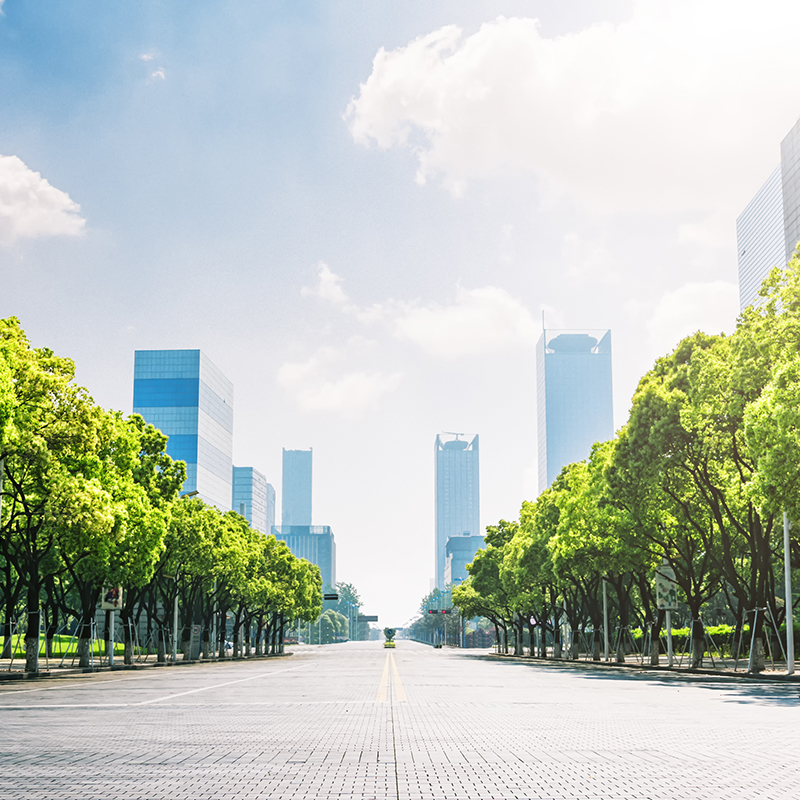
x=362 y=211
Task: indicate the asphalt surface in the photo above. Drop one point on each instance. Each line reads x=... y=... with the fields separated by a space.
x=357 y=721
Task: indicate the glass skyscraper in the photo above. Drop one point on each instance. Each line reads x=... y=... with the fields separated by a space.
x=296 y=488
x=574 y=398
x=457 y=494
x=187 y=398
x=250 y=497
x=768 y=230
x=316 y=544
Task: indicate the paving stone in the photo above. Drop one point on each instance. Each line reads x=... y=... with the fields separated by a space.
x=316 y=726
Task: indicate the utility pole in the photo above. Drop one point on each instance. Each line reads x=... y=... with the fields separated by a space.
x=787 y=569
x=605 y=620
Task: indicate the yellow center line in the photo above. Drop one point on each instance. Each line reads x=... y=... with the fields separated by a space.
x=399 y=689
x=383 y=687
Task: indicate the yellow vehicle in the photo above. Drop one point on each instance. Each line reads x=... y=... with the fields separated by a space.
x=389 y=634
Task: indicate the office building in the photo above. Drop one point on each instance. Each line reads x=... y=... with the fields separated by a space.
x=296 y=488
x=768 y=230
x=187 y=398
x=457 y=493
x=458 y=552
x=250 y=497
x=315 y=543
x=574 y=398
x=270 y=506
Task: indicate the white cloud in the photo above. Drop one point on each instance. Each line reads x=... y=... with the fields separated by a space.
x=587 y=262
x=318 y=384
x=328 y=286
x=30 y=207
x=158 y=75
x=481 y=321
x=709 y=307
x=484 y=320
x=147 y=56
x=674 y=110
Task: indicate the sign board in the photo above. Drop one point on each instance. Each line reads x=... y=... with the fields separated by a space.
x=666 y=589
x=195 y=642
x=111 y=599
x=367 y=617
x=330 y=597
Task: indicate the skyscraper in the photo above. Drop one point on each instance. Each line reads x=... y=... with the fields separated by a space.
x=251 y=497
x=457 y=493
x=296 y=488
x=270 y=507
x=187 y=398
x=574 y=397
x=768 y=230
x=316 y=544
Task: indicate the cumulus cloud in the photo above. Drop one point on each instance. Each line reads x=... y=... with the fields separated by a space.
x=30 y=207
x=483 y=320
x=480 y=321
x=673 y=110
x=709 y=307
x=323 y=382
x=328 y=286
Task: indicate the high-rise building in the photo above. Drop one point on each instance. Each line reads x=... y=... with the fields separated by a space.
x=768 y=230
x=574 y=397
x=270 y=507
x=296 y=488
x=459 y=551
x=316 y=544
x=187 y=398
x=251 y=497
x=457 y=494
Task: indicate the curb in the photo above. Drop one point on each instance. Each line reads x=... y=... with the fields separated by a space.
x=72 y=671
x=644 y=668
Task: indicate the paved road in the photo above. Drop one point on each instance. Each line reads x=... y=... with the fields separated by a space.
x=357 y=721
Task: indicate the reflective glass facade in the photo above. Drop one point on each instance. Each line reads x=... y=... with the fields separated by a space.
x=457 y=493
x=187 y=398
x=296 y=488
x=459 y=551
x=574 y=392
x=768 y=230
x=250 y=497
x=315 y=543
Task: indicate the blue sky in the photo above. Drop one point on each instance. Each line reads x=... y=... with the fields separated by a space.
x=360 y=212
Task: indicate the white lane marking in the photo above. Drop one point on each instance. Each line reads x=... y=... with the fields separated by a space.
x=218 y=685
x=399 y=689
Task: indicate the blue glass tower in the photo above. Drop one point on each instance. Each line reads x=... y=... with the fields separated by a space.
x=316 y=544
x=574 y=397
x=457 y=497
x=250 y=497
x=187 y=398
x=296 y=489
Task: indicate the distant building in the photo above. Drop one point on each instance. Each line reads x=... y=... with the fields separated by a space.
x=315 y=543
x=768 y=230
x=459 y=551
x=457 y=493
x=270 y=506
x=296 y=488
x=187 y=398
x=250 y=497
x=574 y=398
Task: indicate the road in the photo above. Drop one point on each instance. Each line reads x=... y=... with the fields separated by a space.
x=357 y=721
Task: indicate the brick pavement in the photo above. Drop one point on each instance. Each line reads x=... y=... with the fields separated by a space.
x=354 y=721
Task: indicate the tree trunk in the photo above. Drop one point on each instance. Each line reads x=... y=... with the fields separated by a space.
x=161 y=645
x=655 y=651
x=596 y=643
x=32 y=631
x=698 y=643
x=757 y=660
x=259 y=632
x=127 y=635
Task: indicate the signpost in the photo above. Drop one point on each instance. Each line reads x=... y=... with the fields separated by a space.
x=667 y=599
x=111 y=600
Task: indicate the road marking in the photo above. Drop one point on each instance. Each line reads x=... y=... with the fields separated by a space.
x=217 y=686
x=399 y=690
x=383 y=687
